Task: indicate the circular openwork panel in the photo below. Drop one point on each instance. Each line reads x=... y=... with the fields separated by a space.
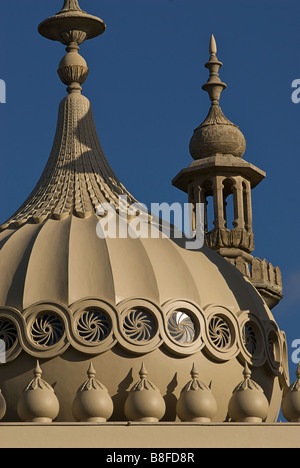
x=274 y=351
x=249 y=338
x=47 y=329
x=8 y=333
x=184 y=322
x=139 y=325
x=219 y=332
x=181 y=327
x=93 y=326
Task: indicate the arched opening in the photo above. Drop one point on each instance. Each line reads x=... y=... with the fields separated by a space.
x=229 y=204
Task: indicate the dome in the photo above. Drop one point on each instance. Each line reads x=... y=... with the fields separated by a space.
x=217 y=135
x=69 y=294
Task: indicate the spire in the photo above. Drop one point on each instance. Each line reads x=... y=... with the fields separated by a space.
x=216 y=135
x=77 y=177
x=214 y=85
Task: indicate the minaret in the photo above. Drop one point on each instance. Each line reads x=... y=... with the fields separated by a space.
x=218 y=172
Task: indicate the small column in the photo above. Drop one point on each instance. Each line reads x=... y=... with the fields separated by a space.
x=239 y=220
x=218 y=187
x=247 y=205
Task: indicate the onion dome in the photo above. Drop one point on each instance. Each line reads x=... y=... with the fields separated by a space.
x=196 y=402
x=216 y=134
x=2 y=406
x=92 y=402
x=248 y=402
x=38 y=402
x=144 y=402
x=68 y=292
x=291 y=400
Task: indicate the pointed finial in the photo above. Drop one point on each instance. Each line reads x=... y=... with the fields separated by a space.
x=143 y=372
x=144 y=402
x=37 y=371
x=92 y=402
x=214 y=85
x=91 y=373
x=194 y=372
x=246 y=372
x=196 y=402
x=212 y=45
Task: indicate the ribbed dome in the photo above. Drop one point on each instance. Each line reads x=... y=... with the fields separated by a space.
x=67 y=293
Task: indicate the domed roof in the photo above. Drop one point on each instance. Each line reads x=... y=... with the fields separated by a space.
x=68 y=292
x=216 y=134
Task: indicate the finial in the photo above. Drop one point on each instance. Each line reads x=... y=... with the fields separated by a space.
x=212 y=45
x=38 y=402
x=72 y=26
x=91 y=373
x=144 y=402
x=92 y=402
x=37 y=371
x=143 y=372
x=194 y=372
x=246 y=372
x=214 y=85
x=291 y=400
x=197 y=402
x=248 y=402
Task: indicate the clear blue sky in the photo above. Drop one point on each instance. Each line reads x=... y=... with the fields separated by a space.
x=146 y=74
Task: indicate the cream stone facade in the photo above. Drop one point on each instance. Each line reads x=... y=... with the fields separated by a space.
x=138 y=342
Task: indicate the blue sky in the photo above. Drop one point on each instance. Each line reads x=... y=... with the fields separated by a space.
x=146 y=73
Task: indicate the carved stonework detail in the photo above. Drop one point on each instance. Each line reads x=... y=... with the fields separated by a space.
x=236 y=238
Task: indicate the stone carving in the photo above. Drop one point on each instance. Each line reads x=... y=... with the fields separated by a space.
x=144 y=402
x=139 y=326
x=181 y=327
x=8 y=333
x=92 y=402
x=219 y=332
x=248 y=402
x=38 y=402
x=291 y=400
x=93 y=326
x=47 y=330
x=196 y=402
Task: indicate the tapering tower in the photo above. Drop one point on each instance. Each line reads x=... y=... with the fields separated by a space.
x=219 y=173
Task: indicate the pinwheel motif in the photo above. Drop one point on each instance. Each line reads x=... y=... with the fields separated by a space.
x=181 y=327
x=47 y=330
x=139 y=325
x=94 y=326
x=249 y=339
x=8 y=333
x=219 y=332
